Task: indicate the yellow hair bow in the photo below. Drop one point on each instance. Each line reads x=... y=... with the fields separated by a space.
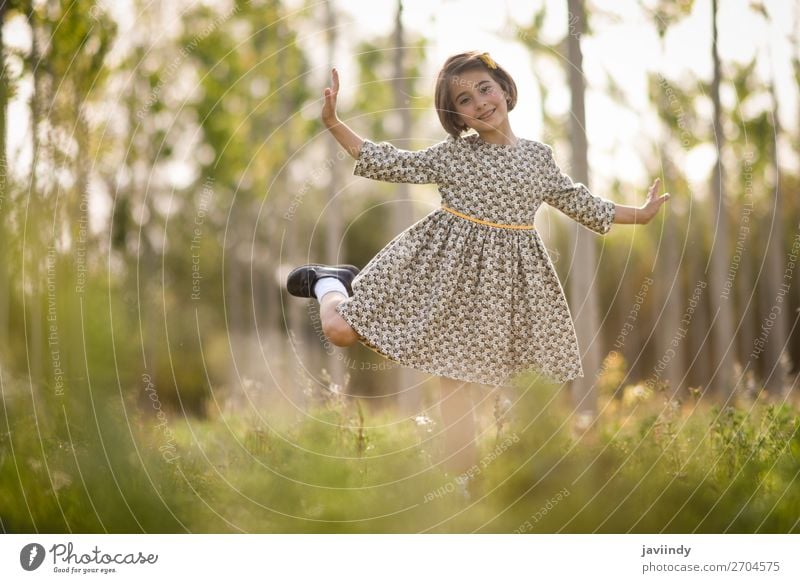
x=488 y=60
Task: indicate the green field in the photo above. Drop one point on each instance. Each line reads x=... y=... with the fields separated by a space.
x=647 y=465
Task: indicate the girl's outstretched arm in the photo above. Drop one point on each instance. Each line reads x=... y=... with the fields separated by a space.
x=349 y=140
x=631 y=215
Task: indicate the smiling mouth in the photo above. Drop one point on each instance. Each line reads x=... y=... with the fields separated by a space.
x=487 y=114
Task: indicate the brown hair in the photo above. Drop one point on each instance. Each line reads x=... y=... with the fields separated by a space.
x=453 y=67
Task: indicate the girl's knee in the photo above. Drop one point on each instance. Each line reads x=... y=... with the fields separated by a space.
x=339 y=331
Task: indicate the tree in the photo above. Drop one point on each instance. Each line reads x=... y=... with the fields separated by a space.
x=778 y=341
x=250 y=81
x=402 y=211
x=582 y=292
x=581 y=286
x=667 y=14
x=5 y=286
x=723 y=340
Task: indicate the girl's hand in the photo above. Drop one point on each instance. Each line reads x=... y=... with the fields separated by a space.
x=652 y=204
x=348 y=139
x=329 y=117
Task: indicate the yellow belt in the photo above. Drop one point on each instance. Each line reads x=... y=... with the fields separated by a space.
x=489 y=223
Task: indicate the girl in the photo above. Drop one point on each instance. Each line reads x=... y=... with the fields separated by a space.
x=468 y=293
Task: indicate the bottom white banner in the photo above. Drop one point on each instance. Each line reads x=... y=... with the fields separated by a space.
x=334 y=558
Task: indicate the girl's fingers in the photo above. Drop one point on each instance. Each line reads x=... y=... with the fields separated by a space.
x=653 y=189
x=329 y=107
x=335 y=75
x=661 y=200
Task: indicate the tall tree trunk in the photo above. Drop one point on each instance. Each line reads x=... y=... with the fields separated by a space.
x=745 y=245
x=142 y=269
x=5 y=288
x=77 y=216
x=776 y=286
x=32 y=235
x=700 y=366
x=795 y=297
x=268 y=300
x=409 y=398
x=273 y=355
x=669 y=281
x=723 y=340
x=746 y=299
x=235 y=301
x=582 y=295
x=304 y=341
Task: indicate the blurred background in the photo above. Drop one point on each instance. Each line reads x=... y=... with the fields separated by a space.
x=163 y=167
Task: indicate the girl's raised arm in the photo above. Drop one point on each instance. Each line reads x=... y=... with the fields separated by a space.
x=349 y=140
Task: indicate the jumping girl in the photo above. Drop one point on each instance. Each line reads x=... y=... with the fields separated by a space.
x=468 y=293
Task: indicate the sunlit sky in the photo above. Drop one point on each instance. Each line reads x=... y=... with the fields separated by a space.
x=624 y=45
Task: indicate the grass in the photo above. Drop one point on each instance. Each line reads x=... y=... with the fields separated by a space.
x=645 y=464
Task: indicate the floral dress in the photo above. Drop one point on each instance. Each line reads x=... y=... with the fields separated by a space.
x=475 y=301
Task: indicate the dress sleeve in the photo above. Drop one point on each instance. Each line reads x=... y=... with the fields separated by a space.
x=383 y=161
x=574 y=199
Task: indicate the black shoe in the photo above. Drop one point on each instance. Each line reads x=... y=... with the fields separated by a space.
x=301 y=280
x=348 y=267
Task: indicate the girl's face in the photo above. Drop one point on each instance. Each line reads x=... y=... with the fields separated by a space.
x=479 y=101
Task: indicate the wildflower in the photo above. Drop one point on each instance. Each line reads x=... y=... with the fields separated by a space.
x=636 y=394
x=583 y=421
x=424 y=422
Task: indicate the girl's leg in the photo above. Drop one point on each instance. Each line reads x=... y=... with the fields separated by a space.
x=334 y=326
x=461 y=452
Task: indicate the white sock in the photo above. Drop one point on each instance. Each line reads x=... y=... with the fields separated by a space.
x=326 y=285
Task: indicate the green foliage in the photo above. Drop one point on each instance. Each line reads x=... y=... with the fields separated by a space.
x=676 y=108
x=250 y=85
x=79 y=45
x=669 y=12
x=643 y=466
x=70 y=465
x=375 y=98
